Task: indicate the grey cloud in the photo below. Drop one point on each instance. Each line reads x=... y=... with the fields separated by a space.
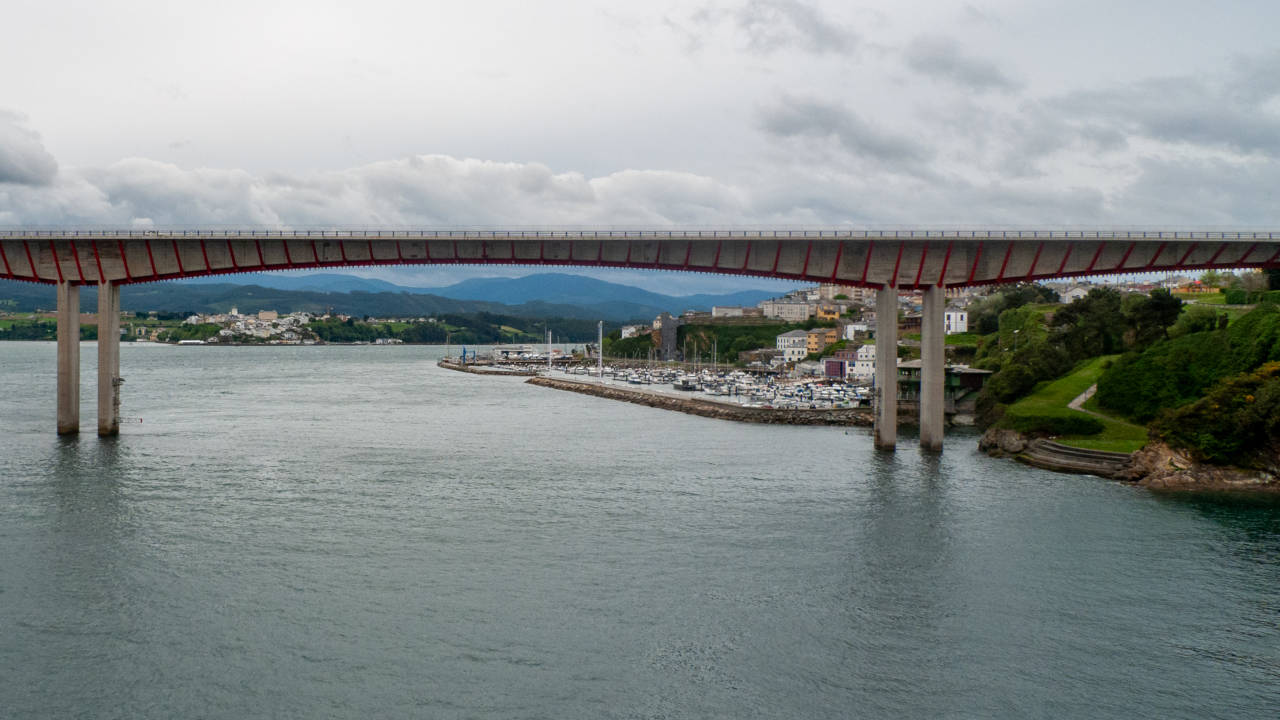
x=1202 y=192
x=23 y=158
x=972 y=13
x=877 y=200
x=794 y=116
x=943 y=58
x=1035 y=134
x=1254 y=79
x=1228 y=112
x=771 y=25
x=767 y=26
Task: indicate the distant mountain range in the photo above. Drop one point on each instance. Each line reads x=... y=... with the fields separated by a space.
x=542 y=295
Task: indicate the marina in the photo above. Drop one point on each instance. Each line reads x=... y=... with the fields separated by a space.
x=656 y=396
x=729 y=387
x=728 y=394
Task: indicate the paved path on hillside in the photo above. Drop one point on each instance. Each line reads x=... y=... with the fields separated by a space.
x=1083 y=397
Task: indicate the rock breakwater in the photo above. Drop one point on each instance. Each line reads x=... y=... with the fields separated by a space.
x=485 y=369
x=860 y=417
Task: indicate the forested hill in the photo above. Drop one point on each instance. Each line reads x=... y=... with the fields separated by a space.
x=1214 y=392
x=213 y=298
x=1203 y=379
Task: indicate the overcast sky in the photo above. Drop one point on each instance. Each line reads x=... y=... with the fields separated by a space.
x=486 y=112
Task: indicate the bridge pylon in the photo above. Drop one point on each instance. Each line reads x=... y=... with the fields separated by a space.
x=885 y=427
x=933 y=354
x=68 y=358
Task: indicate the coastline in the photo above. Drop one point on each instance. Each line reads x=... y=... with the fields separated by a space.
x=1156 y=467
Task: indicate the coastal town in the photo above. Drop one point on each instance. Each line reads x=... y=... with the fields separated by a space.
x=835 y=347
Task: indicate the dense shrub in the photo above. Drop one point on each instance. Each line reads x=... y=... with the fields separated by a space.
x=638 y=346
x=1197 y=318
x=1237 y=422
x=987 y=410
x=1010 y=384
x=1179 y=371
x=1074 y=424
x=1236 y=296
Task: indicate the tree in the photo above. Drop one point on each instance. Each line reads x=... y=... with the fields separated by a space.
x=1149 y=316
x=984 y=313
x=1213 y=278
x=1092 y=325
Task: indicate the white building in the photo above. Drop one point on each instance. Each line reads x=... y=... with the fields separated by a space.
x=955 y=321
x=719 y=311
x=851 y=329
x=630 y=331
x=794 y=345
x=864 y=367
x=829 y=291
x=1074 y=294
x=788 y=310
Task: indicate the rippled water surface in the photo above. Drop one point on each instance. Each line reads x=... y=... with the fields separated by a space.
x=353 y=532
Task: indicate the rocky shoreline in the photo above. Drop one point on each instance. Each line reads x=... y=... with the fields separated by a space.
x=1155 y=467
x=720 y=411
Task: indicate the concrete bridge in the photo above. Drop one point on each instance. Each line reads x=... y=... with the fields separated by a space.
x=921 y=259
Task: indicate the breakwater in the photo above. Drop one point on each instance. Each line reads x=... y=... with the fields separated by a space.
x=860 y=417
x=485 y=369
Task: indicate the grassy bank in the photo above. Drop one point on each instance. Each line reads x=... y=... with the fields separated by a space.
x=1050 y=400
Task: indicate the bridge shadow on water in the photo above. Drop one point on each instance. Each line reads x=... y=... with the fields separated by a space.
x=902 y=555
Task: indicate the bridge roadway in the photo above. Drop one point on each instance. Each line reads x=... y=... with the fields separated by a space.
x=929 y=260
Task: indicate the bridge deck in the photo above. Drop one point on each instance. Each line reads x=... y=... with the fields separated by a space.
x=904 y=258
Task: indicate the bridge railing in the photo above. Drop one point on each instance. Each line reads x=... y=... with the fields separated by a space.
x=629 y=234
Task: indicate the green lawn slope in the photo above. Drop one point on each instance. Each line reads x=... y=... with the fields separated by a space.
x=1045 y=409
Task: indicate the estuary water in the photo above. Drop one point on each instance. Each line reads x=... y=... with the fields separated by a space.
x=313 y=532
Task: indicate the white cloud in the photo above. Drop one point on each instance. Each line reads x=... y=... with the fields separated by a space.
x=428 y=190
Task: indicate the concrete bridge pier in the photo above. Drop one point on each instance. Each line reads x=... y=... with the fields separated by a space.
x=68 y=359
x=933 y=368
x=108 y=359
x=886 y=377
